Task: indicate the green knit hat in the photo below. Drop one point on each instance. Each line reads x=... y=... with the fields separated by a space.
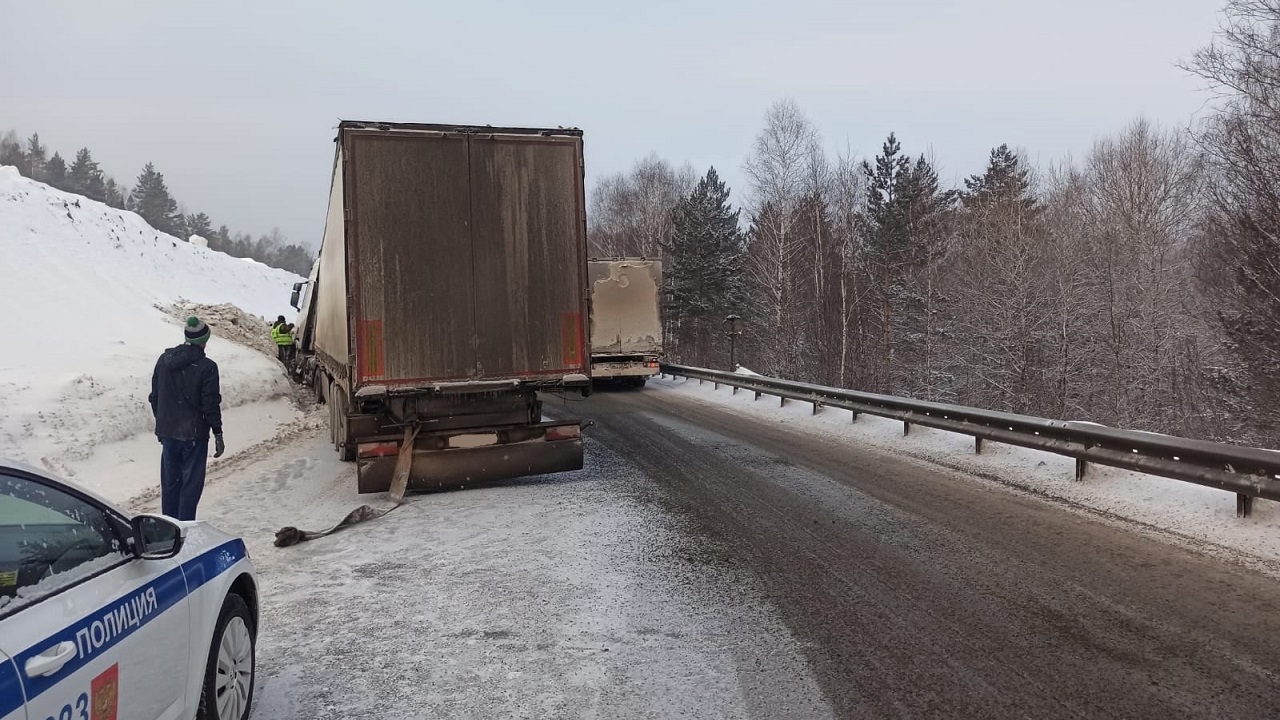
x=196 y=331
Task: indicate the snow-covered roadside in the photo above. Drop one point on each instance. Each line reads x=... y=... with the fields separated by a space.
x=82 y=286
x=1191 y=511
x=122 y=471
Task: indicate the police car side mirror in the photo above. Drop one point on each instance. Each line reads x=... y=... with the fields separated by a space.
x=156 y=537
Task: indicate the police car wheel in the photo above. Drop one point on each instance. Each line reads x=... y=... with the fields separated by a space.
x=227 y=693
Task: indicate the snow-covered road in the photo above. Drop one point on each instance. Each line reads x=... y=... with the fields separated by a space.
x=569 y=596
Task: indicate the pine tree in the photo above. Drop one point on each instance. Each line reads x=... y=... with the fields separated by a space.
x=706 y=280
x=221 y=240
x=114 y=194
x=151 y=200
x=1007 y=179
x=924 y=206
x=242 y=245
x=56 y=171
x=883 y=183
x=884 y=235
x=294 y=258
x=11 y=151
x=1006 y=303
x=199 y=224
x=180 y=228
x=35 y=158
x=903 y=222
x=85 y=177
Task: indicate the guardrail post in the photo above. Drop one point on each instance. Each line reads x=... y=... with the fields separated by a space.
x=782 y=401
x=854 y=416
x=1081 y=467
x=977 y=445
x=817 y=406
x=1244 y=505
x=717 y=386
x=735 y=389
x=906 y=428
x=758 y=394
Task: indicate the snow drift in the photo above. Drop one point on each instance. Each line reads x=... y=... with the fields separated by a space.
x=82 y=286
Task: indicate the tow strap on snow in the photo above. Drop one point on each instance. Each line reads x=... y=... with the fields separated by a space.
x=287 y=536
x=404 y=463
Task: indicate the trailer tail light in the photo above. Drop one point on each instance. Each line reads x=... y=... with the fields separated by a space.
x=651 y=364
x=563 y=432
x=380 y=449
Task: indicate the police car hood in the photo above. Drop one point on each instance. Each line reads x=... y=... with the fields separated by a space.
x=199 y=535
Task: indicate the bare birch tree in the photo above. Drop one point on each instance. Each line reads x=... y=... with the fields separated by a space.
x=631 y=212
x=1143 y=204
x=846 y=294
x=778 y=169
x=1238 y=256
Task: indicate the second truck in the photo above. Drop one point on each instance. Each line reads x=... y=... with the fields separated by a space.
x=450 y=291
x=626 y=325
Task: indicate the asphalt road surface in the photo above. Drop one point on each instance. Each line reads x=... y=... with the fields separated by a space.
x=708 y=565
x=915 y=592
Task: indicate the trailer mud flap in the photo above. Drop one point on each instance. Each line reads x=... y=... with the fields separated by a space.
x=458 y=467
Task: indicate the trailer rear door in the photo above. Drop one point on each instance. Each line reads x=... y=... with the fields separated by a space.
x=467 y=255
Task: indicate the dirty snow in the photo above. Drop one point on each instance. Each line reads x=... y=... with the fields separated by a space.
x=83 y=286
x=1194 y=513
x=570 y=595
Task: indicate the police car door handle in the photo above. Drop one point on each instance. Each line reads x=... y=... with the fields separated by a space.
x=51 y=661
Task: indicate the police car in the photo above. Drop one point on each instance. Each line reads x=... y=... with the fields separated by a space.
x=107 y=617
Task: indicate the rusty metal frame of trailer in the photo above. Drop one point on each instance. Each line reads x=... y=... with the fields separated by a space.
x=350 y=130
x=516 y=451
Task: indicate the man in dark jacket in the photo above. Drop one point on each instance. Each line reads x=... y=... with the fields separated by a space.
x=186 y=401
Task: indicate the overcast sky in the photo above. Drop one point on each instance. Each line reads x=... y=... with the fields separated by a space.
x=236 y=102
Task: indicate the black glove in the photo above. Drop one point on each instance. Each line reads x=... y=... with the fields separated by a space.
x=219 y=447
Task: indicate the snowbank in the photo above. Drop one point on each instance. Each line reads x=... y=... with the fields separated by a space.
x=1193 y=512
x=82 y=286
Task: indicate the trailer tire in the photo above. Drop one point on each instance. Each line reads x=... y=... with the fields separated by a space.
x=338 y=421
x=319 y=386
x=328 y=386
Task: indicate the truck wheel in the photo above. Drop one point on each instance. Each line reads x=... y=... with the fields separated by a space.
x=341 y=438
x=330 y=395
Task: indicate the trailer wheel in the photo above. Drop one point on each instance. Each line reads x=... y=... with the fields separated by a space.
x=329 y=392
x=338 y=421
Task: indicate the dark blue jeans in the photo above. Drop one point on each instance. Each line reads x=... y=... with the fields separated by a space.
x=182 y=466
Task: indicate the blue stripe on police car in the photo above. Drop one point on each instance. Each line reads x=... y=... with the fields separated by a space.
x=103 y=628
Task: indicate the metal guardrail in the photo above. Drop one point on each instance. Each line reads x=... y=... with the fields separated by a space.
x=1248 y=472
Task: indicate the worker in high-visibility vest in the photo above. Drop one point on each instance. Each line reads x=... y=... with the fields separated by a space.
x=282 y=334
